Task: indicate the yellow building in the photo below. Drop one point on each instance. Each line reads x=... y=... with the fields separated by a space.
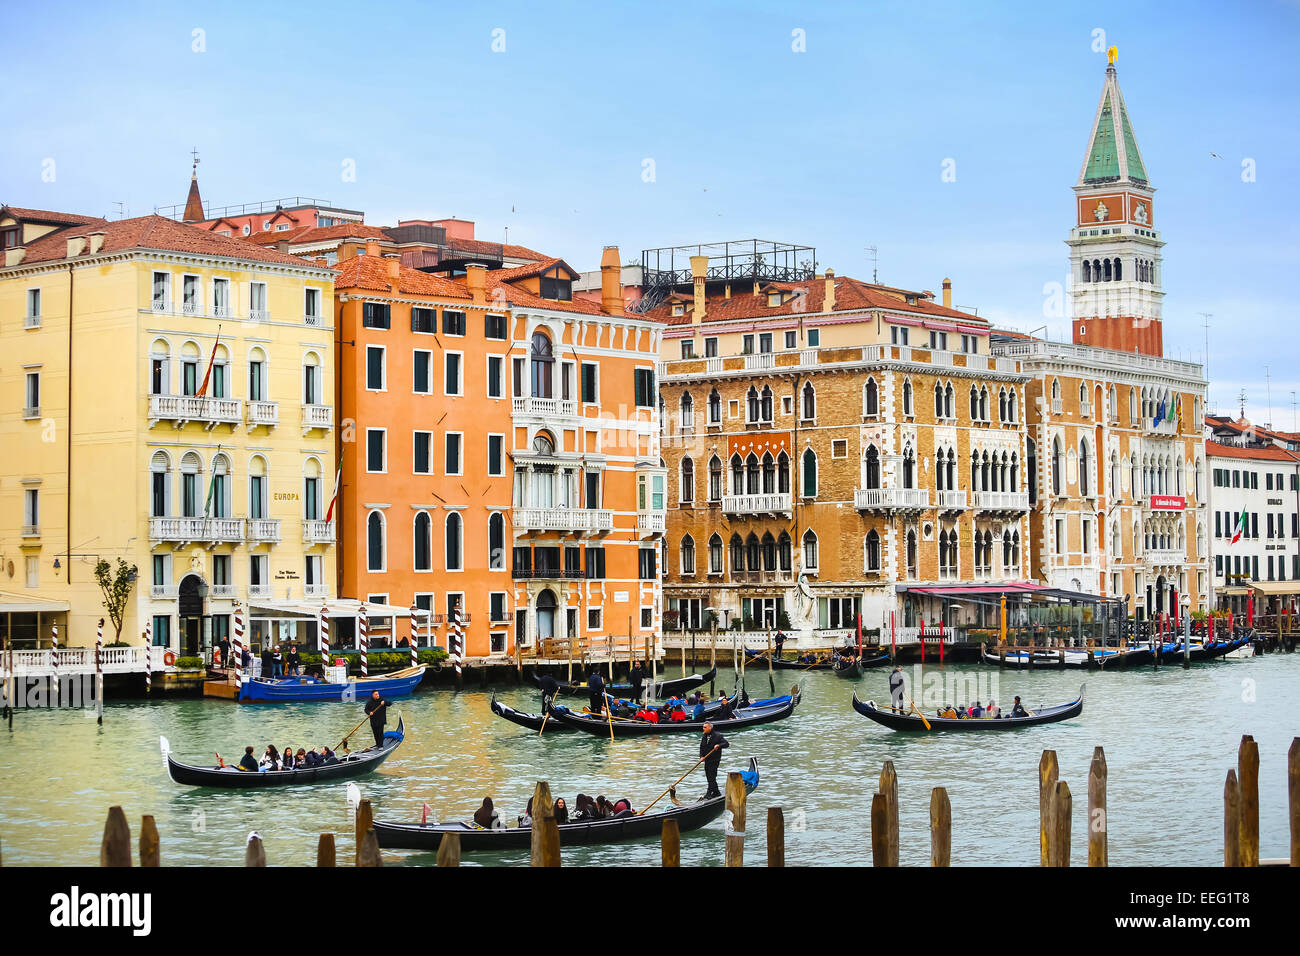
x=166 y=397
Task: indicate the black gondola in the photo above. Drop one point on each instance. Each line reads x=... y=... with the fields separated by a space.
x=534 y=721
x=778 y=708
x=847 y=667
x=662 y=689
x=353 y=765
x=900 y=720
x=427 y=836
x=816 y=663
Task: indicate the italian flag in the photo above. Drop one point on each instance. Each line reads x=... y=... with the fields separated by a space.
x=1241 y=527
x=338 y=482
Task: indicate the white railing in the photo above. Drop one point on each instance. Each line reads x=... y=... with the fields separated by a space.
x=1001 y=500
x=31 y=411
x=912 y=635
x=527 y=405
x=873 y=499
x=312 y=320
x=192 y=408
x=259 y=591
x=760 y=361
x=81 y=660
x=774 y=503
x=264 y=529
x=317 y=416
x=259 y=315
x=1173 y=557
x=1092 y=355
x=1085 y=409
x=316 y=590
x=650 y=521
x=160 y=305
x=196 y=529
x=221 y=311
x=222 y=592
x=563 y=519
x=32 y=322
x=1058 y=405
x=163 y=592
x=31 y=531
x=191 y=308
x=952 y=499
x=1167 y=426
x=317 y=531
x=262 y=413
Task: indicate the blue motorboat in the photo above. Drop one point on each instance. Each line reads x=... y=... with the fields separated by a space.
x=287 y=690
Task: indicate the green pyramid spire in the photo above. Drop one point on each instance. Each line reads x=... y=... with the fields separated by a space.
x=1113 y=154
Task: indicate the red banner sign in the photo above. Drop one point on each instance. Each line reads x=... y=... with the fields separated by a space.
x=1168 y=503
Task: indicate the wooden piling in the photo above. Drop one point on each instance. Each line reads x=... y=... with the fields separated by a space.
x=735 y=854
x=254 y=851
x=879 y=830
x=1293 y=797
x=115 y=850
x=149 y=844
x=546 y=832
x=1097 y=823
x=775 y=836
x=670 y=843
x=449 y=850
x=1062 y=804
x=1047 y=774
x=369 y=855
x=940 y=828
x=888 y=788
x=365 y=819
x=1231 y=821
x=1248 y=784
x=325 y=853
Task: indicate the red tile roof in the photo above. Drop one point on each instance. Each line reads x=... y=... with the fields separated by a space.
x=155 y=232
x=48 y=215
x=531 y=270
x=308 y=234
x=1265 y=453
x=371 y=272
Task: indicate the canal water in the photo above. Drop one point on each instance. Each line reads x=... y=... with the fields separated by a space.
x=1170 y=738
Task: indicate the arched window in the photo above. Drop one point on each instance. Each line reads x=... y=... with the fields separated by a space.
x=872 y=551
x=1105 y=265
x=1084 y=489
x=753 y=556
x=455 y=543
x=769 y=474
x=737 y=554
x=783 y=551
x=870 y=398
x=911 y=553
x=939 y=484
x=974 y=404
x=1011 y=406
x=952 y=470
x=765 y=404
x=688 y=481
x=751 y=475
x=159 y=491
x=737 y=476
x=311 y=383
x=715 y=554
x=160 y=375
x=871 y=468
x=751 y=405
x=1058 y=466
x=1006 y=550
x=715 y=407
x=783 y=473
x=938 y=400
x=423 y=542
x=909 y=467
x=1015 y=472
x=984 y=404
x=907 y=397
x=809 y=474
x=496 y=541
x=809 y=550
x=376 y=550
x=947 y=401
x=1002 y=405
x=809 y=401
x=688 y=555
x=1087 y=271
x=715 y=478
x=311 y=489
x=1056 y=389
x=257 y=504
x=769 y=552
x=1119 y=269
x=191 y=466
x=687 y=421
x=543 y=365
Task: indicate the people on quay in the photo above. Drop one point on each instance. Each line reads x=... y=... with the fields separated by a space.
x=295 y=661
x=712 y=744
x=1018 y=709
x=376 y=708
x=896 y=686
x=268 y=661
x=277 y=661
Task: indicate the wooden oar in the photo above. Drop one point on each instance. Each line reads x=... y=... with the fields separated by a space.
x=919 y=714
x=679 y=780
x=347 y=737
x=546 y=716
x=820 y=660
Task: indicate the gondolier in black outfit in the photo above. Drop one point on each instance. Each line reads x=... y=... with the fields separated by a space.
x=376 y=708
x=636 y=677
x=896 y=686
x=711 y=746
x=779 y=641
x=596 y=686
x=550 y=687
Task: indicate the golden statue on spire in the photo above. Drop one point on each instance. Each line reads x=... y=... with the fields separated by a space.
x=1112 y=54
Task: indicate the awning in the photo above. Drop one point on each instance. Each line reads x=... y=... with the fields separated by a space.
x=1276 y=587
x=335 y=607
x=1012 y=589
x=20 y=605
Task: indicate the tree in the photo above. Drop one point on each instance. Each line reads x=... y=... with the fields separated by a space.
x=116 y=584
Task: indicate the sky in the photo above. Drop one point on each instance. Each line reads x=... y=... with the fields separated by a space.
x=945 y=135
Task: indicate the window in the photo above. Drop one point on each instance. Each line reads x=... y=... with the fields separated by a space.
x=688 y=348
x=939 y=340
x=710 y=348
x=686 y=419
x=376 y=457
x=452 y=462
x=422 y=456
x=420 y=371
x=898 y=334
x=839 y=448
x=872 y=548
x=687 y=484
x=765 y=342
x=590 y=389
x=809 y=474
x=809 y=403
x=32 y=406
x=595 y=562
x=452 y=383
x=162 y=291
x=424 y=320
x=688 y=555
x=647 y=569
x=645 y=388
x=791 y=339
x=257 y=301
x=375 y=548
x=593 y=619
x=814 y=338
x=375 y=368
x=809 y=550
x=453 y=322
x=311 y=306
x=220 y=297
x=423 y=542
x=715 y=408
x=496 y=542
x=375 y=315
x=494 y=327
x=455 y=557
x=907 y=398
x=543 y=363
x=870 y=398
x=31 y=511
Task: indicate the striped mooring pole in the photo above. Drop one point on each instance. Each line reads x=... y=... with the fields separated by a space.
x=148 y=657
x=238 y=650
x=323 y=626
x=415 y=636
x=99 y=671
x=54 y=663
x=363 y=633
x=457 y=639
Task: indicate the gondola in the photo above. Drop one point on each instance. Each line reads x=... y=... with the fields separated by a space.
x=820 y=664
x=847 y=667
x=1105 y=658
x=534 y=721
x=305 y=689
x=778 y=708
x=1202 y=651
x=662 y=689
x=354 y=765
x=899 y=720
x=691 y=816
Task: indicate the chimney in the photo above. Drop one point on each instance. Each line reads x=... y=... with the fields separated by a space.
x=699 y=266
x=728 y=294
x=947 y=293
x=476 y=281
x=322 y=262
x=282 y=245
x=372 y=247
x=394 y=264
x=14 y=256
x=76 y=245
x=611 y=282
x=828 y=300
x=96 y=242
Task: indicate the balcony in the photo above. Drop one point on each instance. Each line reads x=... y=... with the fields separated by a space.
x=547 y=574
x=650 y=522
x=1058 y=406
x=317 y=416
x=259 y=591
x=163 y=592
x=1167 y=427
x=31 y=531
x=891 y=499
x=544 y=407
x=259 y=315
x=31 y=411
x=31 y=322
x=222 y=592
x=262 y=413
x=264 y=530
x=1085 y=410
x=580 y=520
x=1171 y=557
x=185 y=530
x=183 y=409
x=316 y=531
x=952 y=501
x=312 y=320
x=316 y=590
x=772 y=503
x=1001 y=500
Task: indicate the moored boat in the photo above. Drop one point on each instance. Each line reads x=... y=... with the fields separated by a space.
x=777 y=708
x=896 y=719
x=229 y=777
x=691 y=816
x=304 y=689
x=535 y=721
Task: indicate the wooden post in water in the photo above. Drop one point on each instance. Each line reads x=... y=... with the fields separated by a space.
x=149 y=844
x=449 y=850
x=254 y=851
x=368 y=855
x=1231 y=821
x=888 y=788
x=713 y=654
x=1047 y=774
x=940 y=828
x=325 y=855
x=1062 y=804
x=115 y=850
x=879 y=830
x=546 y=832
x=775 y=836
x=1293 y=797
x=735 y=816
x=365 y=818
x=1248 y=783
x=670 y=843
x=1097 y=848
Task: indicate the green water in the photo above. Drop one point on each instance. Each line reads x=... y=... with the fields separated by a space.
x=1170 y=738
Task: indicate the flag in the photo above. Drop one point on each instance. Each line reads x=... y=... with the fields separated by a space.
x=1241 y=527
x=1178 y=411
x=207 y=376
x=212 y=488
x=338 y=483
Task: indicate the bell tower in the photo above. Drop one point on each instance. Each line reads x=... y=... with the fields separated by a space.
x=1115 y=260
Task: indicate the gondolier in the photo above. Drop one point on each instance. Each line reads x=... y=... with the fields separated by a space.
x=550 y=687
x=711 y=746
x=636 y=677
x=896 y=686
x=779 y=641
x=596 y=697
x=376 y=707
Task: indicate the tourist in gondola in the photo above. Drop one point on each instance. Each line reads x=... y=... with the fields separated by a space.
x=636 y=677
x=561 y=810
x=526 y=818
x=623 y=808
x=487 y=817
x=1018 y=709
x=376 y=708
x=582 y=809
x=604 y=808
x=726 y=708
x=697 y=713
x=977 y=710
x=248 y=761
x=596 y=692
x=271 y=758
x=711 y=746
x=286 y=759
x=896 y=686
x=992 y=710
x=300 y=759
